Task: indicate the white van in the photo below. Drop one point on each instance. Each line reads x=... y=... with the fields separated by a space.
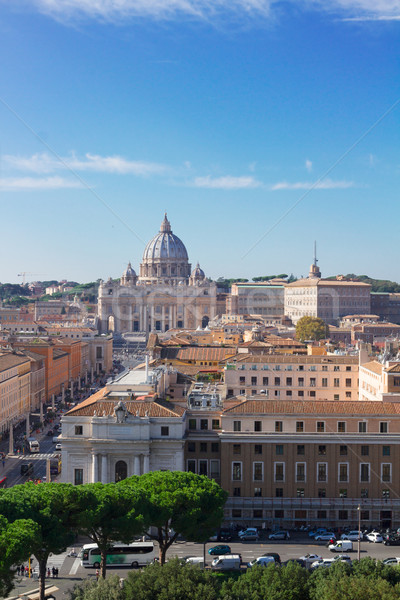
x=341 y=546
x=263 y=561
x=227 y=562
x=196 y=560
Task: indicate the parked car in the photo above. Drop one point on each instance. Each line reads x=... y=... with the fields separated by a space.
x=376 y=538
x=224 y=535
x=58 y=446
x=275 y=555
x=262 y=561
x=325 y=537
x=317 y=531
x=341 y=546
x=250 y=533
x=221 y=549
x=308 y=559
x=391 y=561
x=230 y=562
x=392 y=540
x=323 y=562
x=342 y=558
x=354 y=536
x=279 y=535
x=50 y=432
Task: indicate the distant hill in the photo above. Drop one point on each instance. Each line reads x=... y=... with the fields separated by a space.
x=378 y=285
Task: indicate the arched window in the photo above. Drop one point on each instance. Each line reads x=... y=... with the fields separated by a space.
x=204 y=321
x=121 y=471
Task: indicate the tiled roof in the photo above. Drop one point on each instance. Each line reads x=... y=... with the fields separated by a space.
x=103 y=405
x=313 y=408
x=9 y=360
x=394 y=369
x=197 y=353
x=373 y=366
x=295 y=359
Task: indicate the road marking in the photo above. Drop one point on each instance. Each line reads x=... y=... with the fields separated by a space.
x=75 y=566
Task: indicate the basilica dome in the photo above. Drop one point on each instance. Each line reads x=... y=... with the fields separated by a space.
x=165 y=259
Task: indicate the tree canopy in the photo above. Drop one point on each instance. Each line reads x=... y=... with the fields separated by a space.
x=16 y=539
x=311 y=328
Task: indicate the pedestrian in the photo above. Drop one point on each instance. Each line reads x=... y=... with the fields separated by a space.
x=97 y=574
x=48 y=572
x=26 y=571
x=56 y=572
x=53 y=572
x=18 y=570
x=3 y=461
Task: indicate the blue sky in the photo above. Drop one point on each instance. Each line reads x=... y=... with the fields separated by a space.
x=258 y=125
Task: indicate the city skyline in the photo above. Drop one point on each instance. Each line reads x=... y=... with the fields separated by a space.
x=258 y=126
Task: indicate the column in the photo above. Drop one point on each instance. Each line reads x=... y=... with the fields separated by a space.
x=91 y=374
x=163 y=318
x=53 y=406
x=146 y=463
x=41 y=407
x=28 y=428
x=62 y=393
x=79 y=383
x=136 y=465
x=152 y=325
x=86 y=377
x=95 y=467
x=71 y=387
x=11 y=441
x=103 y=468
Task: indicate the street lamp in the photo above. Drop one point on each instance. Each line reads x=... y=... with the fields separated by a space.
x=359 y=531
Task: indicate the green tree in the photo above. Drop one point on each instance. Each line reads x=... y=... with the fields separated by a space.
x=110 y=513
x=50 y=506
x=16 y=539
x=181 y=503
x=104 y=589
x=311 y=328
x=288 y=582
x=173 y=581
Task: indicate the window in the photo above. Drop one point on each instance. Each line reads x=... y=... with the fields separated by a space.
x=242 y=379
x=348 y=394
x=300 y=492
x=78 y=476
x=237 y=471
x=258 y=471
x=278 y=492
x=362 y=427
x=278 y=426
x=364 y=472
x=341 y=426
x=364 y=450
x=299 y=426
x=322 y=471
x=383 y=427
x=320 y=426
x=343 y=473
x=324 y=382
x=265 y=380
x=277 y=381
x=364 y=493
x=322 y=450
x=336 y=382
x=279 y=449
x=121 y=470
x=385 y=450
x=301 y=381
x=386 y=472
x=165 y=430
x=289 y=381
x=204 y=424
x=216 y=424
x=336 y=368
x=254 y=381
x=321 y=493
x=192 y=423
x=237 y=491
x=300 y=393
x=78 y=430
x=237 y=425
x=279 y=471
x=364 y=516
x=348 y=368
x=300 y=449
x=348 y=382
x=214 y=447
x=336 y=397
x=321 y=514
x=191 y=446
x=257 y=492
x=203 y=446
x=257 y=513
x=343 y=450
x=215 y=470
x=343 y=515
x=385 y=494
x=237 y=448
x=343 y=493
x=288 y=392
x=191 y=466
x=258 y=449
x=236 y=513
x=300 y=471
x=312 y=394
x=257 y=425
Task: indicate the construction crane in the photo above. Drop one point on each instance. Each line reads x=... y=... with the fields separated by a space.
x=23 y=274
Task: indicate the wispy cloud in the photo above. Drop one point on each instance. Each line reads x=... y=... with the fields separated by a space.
x=326 y=184
x=226 y=182
x=39 y=183
x=45 y=163
x=308 y=165
x=209 y=10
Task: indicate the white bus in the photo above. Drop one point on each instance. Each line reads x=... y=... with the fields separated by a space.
x=34 y=446
x=132 y=555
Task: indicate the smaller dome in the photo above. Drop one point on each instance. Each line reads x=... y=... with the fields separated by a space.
x=198 y=273
x=129 y=271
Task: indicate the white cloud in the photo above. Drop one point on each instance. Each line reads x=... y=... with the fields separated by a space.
x=121 y=10
x=226 y=182
x=308 y=165
x=45 y=163
x=326 y=184
x=32 y=183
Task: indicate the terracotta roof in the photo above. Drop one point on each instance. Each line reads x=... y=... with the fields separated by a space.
x=197 y=353
x=293 y=359
x=373 y=366
x=9 y=360
x=394 y=369
x=314 y=408
x=104 y=405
